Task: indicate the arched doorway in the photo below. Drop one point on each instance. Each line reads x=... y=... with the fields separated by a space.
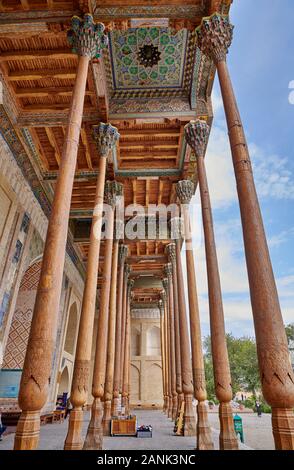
x=153 y=341
x=64 y=382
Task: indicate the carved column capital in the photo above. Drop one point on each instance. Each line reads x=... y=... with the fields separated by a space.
x=86 y=37
x=214 y=36
x=196 y=134
x=171 y=252
x=165 y=282
x=127 y=271
x=122 y=254
x=163 y=293
x=105 y=136
x=168 y=271
x=112 y=190
x=185 y=191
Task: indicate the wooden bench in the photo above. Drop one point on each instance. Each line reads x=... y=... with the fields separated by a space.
x=58 y=416
x=47 y=418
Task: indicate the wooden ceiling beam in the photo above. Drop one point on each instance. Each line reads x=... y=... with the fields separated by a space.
x=134 y=188
x=39 y=148
x=39 y=74
x=160 y=192
x=149 y=156
x=51 y=107
x=153 y=132
x=39 y=91
x=87 y=148
x=37 y=54
x=53 y=143
x=25 y=4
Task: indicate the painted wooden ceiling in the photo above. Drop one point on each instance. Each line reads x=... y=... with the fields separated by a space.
x=149 y=105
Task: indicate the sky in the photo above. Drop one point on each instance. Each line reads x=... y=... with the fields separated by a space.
x=261 y=66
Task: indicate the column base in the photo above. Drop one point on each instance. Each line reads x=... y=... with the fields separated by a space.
x=283 y=428
x=174 y=408
x=94 y=437
x=73 y=439
x=27 y=431
x=106 y=418
x=227 y=439
x=189 y=417
x=203 y=431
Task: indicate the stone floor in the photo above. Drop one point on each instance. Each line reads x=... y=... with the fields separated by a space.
x=257 y=434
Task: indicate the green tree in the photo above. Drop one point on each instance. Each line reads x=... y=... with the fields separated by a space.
x=243 y=365
x=290 y=332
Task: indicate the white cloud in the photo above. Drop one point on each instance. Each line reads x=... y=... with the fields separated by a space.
x=271 y=172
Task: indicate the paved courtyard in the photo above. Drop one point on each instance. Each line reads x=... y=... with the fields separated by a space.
x=257 y=434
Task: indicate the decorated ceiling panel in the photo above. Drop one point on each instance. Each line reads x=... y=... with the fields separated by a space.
x=148 y=58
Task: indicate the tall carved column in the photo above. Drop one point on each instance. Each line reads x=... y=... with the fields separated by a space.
x=111 y=340
x=277 y=377
x=94 y=437
x=187 y=377
x=196 y=133
x=162 y=347
x=127 y=271
x=172 y=413
x=123 y=251
x=125 y=385
x=185 y=191
x=87 y=38
x=105 y=137
x=169 y=402
x=171 y=250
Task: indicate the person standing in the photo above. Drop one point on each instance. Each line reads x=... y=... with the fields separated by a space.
x=2 y=428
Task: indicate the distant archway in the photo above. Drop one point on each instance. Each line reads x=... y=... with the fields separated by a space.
x=154 y=376
x=135 y=384
x=153 y=341
x=64 y=382
x=135 y=342
x=71 y=331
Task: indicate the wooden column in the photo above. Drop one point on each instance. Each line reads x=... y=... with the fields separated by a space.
x=165 y=342
x=162 y=346
x=196 y=135
x=187 y=377
x=277 y=377
x=185 y=191
x=125 y=384
x=123 y=325
x=111 y=341
x=179 y=382
x=94 y=437
x=105 y=137
x=168 y=349
x=87 y=40
x=123 y=251
x=172 y=412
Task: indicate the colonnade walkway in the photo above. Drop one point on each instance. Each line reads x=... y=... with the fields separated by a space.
x=258 y=434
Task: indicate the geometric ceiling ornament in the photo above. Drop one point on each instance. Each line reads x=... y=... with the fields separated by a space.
x=149 y=55
x=164 y=47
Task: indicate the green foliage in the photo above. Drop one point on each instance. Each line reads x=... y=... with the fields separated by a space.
x=243 y=364
x=290 y=332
